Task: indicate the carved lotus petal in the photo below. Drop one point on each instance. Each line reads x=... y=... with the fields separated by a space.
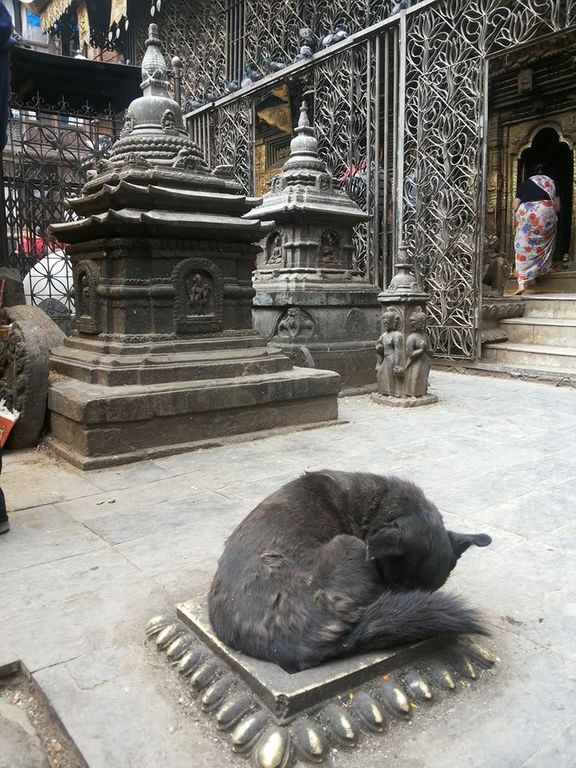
x=248 y=730
x=443 y=677
x=480 y=655
x=232 y=711
x=190 y=661
x=274 y=749
x=178 y=647
x=340 y=724
x=203 y=676
x=215 y=694
x=369 y=711
x=168 y=635
x=157 y=624
x=394 y=699
x=418 y=688
x=309 y=741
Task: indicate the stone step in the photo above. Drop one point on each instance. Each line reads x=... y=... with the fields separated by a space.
x=563 y=281
x=547 y=305
x=547 y=331
x=526 y=372
x=533 y=355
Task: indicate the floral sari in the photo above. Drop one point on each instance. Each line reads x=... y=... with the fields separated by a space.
x=535 y=236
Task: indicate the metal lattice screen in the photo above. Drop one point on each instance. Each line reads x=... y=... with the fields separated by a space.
x=49 y=152
x=447 y=45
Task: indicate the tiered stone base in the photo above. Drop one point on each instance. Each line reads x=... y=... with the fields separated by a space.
x=205 y=391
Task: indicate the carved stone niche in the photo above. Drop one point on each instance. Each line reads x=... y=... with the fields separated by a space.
x=330 y=253
x=198 y=306
x=274 y=250
x=87 y=305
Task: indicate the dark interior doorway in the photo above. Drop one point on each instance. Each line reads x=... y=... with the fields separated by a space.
x=559 y=159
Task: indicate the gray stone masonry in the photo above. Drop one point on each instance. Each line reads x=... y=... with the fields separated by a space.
x=92 y=556
x=310 y=300
x=163 y=357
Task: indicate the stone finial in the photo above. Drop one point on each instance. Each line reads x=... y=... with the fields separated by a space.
x=154 y=69
x=304 y=146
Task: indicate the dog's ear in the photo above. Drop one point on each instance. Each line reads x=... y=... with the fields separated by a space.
x=462 y=541
x=386 y=543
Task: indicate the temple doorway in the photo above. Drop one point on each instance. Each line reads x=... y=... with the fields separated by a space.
x=532 y=120
x=558 y=159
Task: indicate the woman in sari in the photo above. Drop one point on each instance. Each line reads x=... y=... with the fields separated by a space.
x=536 y=207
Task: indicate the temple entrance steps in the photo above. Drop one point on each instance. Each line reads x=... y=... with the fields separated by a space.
x=542 y=343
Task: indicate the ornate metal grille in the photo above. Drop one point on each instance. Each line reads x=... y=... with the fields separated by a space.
x=48 y=154
x=233 y=140
x=442 y=196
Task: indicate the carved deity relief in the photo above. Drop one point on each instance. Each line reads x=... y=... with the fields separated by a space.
x=418 y=356
x=168 y=121
x=390 y=350
x=87 y=307
x=296 y=325
x=83 y=298
x=128 y=127
x=274 y=250
x=325 y=183
x=200 y=295
x=329 y=249
x=198 y=305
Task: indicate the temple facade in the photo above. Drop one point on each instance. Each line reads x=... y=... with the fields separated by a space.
x=427 y=113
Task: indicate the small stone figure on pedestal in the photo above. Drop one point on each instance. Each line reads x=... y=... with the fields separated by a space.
x=403 y=350
x=418 y=357
x=390 y=347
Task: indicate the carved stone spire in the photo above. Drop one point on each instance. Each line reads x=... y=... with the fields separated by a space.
x=303 y=151
x=154 y=131
x=154 y=69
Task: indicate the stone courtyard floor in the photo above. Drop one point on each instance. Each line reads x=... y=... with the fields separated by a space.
x=92 y=556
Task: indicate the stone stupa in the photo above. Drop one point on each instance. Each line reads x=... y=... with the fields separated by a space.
x=310 y=300
x=163 y=357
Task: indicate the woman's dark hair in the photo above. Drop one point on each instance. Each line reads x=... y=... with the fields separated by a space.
x=540 y=167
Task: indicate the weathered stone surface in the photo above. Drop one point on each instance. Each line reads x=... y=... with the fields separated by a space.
x=163 y=357
x=288 y=694
x=19 y=745
x=310 y=300
x=24 y=367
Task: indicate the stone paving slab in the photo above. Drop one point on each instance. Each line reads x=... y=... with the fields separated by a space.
x=92 y=556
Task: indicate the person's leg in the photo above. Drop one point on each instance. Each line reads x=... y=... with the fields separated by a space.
x=4 y=523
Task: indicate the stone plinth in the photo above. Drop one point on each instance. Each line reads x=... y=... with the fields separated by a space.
x=287 y=695
x=163 y=357
x=310 y=301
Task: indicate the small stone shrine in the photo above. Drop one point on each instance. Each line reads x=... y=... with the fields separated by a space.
x=404 y=354
x=309 y=300
x=163 y=357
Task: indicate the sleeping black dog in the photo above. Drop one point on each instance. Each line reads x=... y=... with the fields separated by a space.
x=338 y=563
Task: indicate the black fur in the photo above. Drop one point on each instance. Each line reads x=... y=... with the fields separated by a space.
x=337 y=563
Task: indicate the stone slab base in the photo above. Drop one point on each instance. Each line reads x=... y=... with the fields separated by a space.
x=289 y=694
x=355 y=361
x=278 y=719
x=96 y=426
x=404 y=402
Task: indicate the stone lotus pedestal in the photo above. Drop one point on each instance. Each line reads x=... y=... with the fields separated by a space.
x=310 y=301
x=163 y=357
x=404 y=355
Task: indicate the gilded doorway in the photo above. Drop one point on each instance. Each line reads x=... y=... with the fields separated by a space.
x=532 y=119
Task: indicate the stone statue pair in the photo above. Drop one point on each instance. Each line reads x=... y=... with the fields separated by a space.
x=403 y=360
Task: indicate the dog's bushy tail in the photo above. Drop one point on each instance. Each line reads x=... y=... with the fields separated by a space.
x=404 y=617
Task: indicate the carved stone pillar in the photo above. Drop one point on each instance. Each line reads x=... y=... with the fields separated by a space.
x=404 y=355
